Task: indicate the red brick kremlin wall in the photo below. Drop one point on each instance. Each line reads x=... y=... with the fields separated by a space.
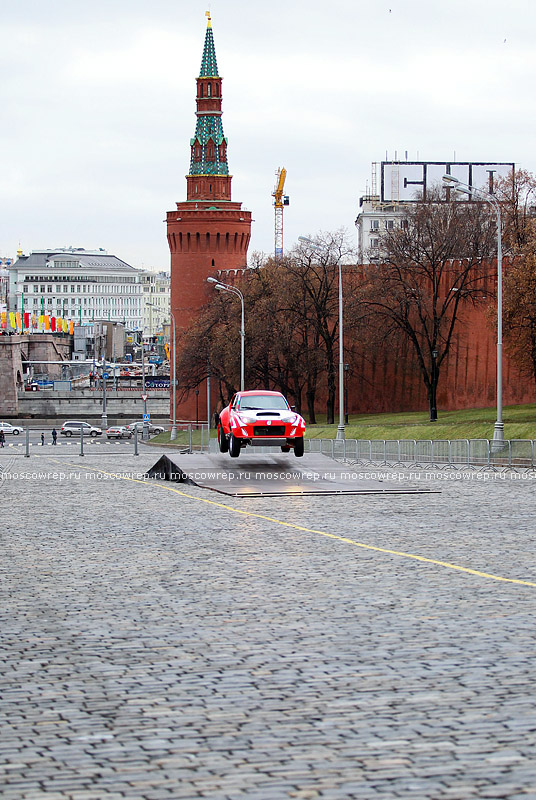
x=391 y=381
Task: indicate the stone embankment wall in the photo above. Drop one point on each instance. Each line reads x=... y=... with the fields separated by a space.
x=88 y=403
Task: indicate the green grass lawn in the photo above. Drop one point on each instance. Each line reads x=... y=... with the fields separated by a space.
x=472 y=423
x=182 y=438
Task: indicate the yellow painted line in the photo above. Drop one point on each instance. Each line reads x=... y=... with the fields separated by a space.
x=400 y=553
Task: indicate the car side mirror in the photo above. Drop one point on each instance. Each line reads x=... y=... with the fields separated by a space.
x=293 y=408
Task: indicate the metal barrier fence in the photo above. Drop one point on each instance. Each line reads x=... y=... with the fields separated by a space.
x=441 y=453
x=190 y=437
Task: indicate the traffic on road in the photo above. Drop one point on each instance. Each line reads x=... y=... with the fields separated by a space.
x=67 y=433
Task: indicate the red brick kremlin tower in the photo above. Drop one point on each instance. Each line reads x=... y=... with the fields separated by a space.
x=207 y=232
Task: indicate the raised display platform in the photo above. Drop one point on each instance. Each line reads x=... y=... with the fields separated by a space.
x=273 y=475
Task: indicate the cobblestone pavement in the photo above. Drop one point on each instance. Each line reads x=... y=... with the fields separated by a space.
x=160 y=643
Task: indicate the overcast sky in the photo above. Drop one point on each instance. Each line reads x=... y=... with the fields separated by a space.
x=98 y=108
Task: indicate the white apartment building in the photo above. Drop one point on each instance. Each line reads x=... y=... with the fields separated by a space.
x=78 y=285
x=374 y=219
x=156 y=301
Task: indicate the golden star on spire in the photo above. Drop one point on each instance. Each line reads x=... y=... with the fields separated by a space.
x=209 y=23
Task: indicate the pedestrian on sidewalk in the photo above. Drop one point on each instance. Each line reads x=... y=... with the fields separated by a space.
x=42 y=439
x=54 y=435
x=2 y=438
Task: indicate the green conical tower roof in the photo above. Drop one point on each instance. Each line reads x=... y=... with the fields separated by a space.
x=209 y=65
x=209 y=145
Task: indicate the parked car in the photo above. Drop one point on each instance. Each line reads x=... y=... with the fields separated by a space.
x=7 y=427
x=260 y=418
x=139 y=425
x=118 y=432
x=72 y=428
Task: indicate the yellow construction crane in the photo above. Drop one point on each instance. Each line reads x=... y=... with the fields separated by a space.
x=280 y=200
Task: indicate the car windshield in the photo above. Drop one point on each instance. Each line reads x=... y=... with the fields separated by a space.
x=263 y=402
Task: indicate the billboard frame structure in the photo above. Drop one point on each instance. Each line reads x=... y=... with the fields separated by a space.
x=392 y=175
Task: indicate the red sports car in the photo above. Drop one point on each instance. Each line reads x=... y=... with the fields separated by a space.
x=260 y=418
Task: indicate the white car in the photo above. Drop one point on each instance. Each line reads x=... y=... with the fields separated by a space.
x=72 y=428
x=139 y=425
x=7 y=427
x=118 y=432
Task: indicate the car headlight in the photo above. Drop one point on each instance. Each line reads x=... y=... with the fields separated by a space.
x=293 y=419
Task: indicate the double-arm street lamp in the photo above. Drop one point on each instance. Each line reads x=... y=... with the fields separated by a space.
x=340 y=428
x=224 y=287
x=450 y=182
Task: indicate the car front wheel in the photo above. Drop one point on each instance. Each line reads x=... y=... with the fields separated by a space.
x=223 y=442
x=16 y=433
x=298 y=447
x=93 y=434
x=234 y=446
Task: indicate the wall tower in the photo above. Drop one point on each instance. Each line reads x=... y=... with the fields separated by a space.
x=208 y=231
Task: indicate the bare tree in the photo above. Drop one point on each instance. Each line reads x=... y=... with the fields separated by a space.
x=518 y=200
x=517 y=195
x=313 y=305
x=291 y=326
x=431 y=265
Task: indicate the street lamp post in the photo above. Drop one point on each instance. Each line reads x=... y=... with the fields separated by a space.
x=340 y=428
x=104 y=416
x=224 y=287
x=450 y=182
x=145 y=428
x=173 y=432
x=346 y=368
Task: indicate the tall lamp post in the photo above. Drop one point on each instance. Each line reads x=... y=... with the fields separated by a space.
x=104 y=416
x=450 y=182
x=173 y=432
x=224 y=287
x=340 y=428
x=145 y=427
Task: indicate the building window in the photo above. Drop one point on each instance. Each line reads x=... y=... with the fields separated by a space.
x=374 y=224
